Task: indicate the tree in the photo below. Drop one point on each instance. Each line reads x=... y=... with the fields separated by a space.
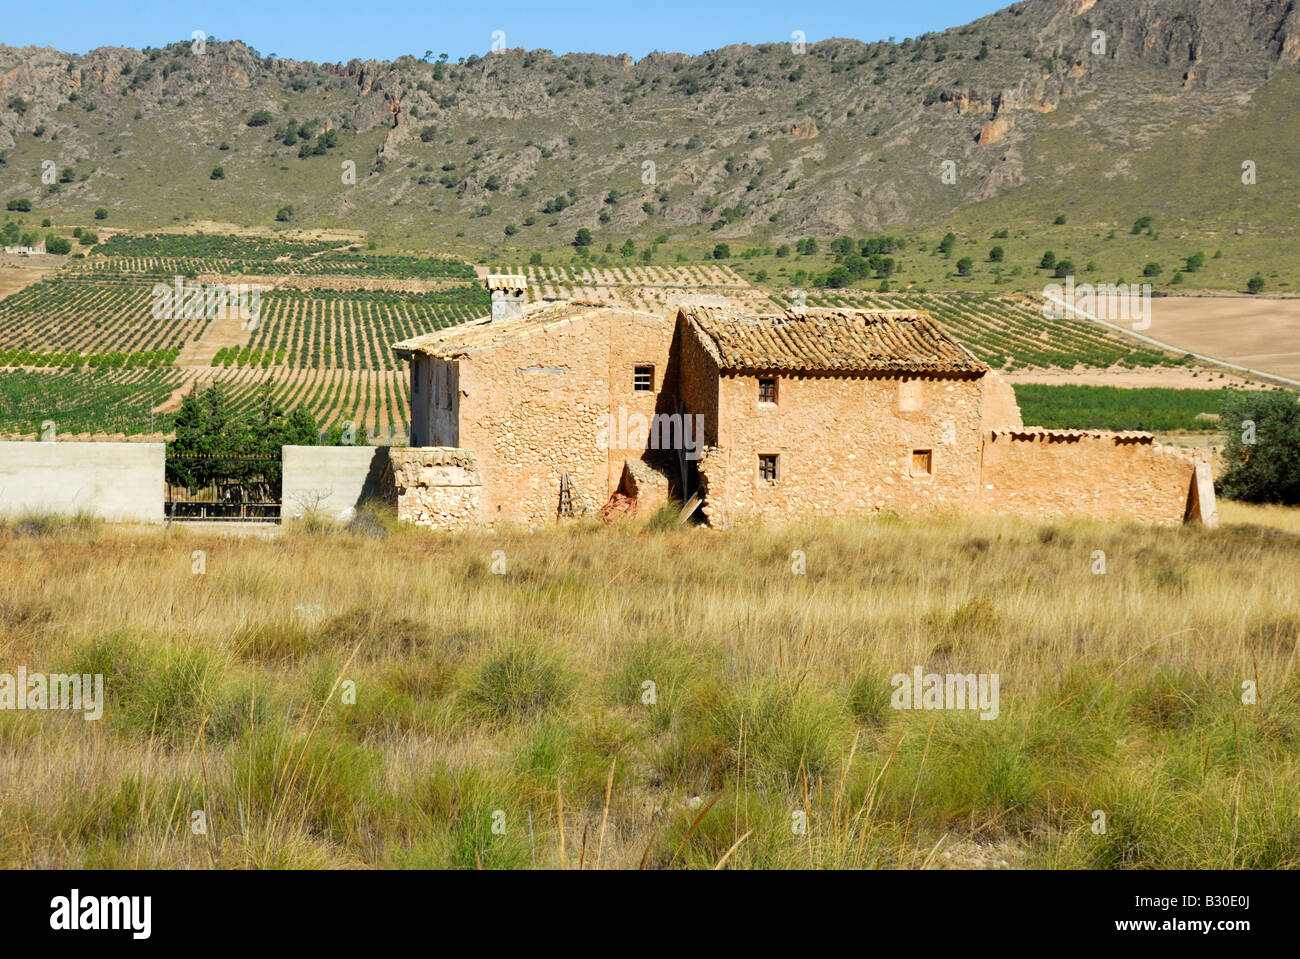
x=1060 y=219
x=1263 y=447
x=101 y=214
x=285 y=213
x=1256 y=284
x=721 y=251
x=217 y=173
x=21 y=205
x=947 y=243
x=1048 y=261
x=997 y=255
x=1195 y=262
x=1151 y=269
x=582 y=237
x=837 y=277
x=1064 y=268
x=260 y=119
x=964 y=266
x=57 y=245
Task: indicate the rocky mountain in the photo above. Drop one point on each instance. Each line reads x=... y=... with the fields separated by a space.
x=1090 y=103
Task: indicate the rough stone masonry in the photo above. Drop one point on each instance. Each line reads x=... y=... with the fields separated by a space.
x=811 y=413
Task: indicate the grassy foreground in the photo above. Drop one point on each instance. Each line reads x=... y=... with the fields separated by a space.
x=500 y=721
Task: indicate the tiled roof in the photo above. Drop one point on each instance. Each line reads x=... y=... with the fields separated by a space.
x=459 y=340
x=1043 y=433
x=821 y=340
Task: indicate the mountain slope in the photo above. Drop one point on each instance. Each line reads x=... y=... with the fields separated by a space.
x=1029 y=106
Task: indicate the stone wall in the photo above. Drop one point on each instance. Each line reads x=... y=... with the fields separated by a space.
x=998 y=406
x=119 y=482
x=437 y=487
x=845 y=444
x=1050 y=473
x=561 y=399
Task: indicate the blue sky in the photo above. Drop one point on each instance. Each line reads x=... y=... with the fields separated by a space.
x=326 y=30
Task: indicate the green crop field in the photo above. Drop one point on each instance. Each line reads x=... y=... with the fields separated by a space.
x=1114 y=408
x=190 y=254
x=85 y=401
x=375 y=399
x=350 y=329
x=63 y=313
x=330 y=349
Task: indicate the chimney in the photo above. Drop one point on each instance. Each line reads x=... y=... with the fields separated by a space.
x=507 y=291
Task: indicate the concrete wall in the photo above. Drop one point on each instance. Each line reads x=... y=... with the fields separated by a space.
x=1050 y=473
x=120 y=482
x=332 y=479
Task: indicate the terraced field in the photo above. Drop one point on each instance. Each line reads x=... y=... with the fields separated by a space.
x=85 y=402
x=207 y=254
x=73 y=312
x=81 y=346
x=374 y=398
x=350 y=329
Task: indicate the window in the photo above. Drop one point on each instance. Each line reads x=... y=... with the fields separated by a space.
x=643 y=378
x=767 y=467
x=922 y=463
x=767 y=389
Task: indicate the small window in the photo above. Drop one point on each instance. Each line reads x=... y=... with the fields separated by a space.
x=643 y=378
x=767 y=467
x=922 y=463
x=767 y=389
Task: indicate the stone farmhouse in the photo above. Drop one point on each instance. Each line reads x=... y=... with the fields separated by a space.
x=568 y=407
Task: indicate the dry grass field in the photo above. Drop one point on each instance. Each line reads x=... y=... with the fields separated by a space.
x=501 y=715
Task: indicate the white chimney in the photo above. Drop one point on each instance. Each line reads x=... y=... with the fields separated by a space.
x=507 y=291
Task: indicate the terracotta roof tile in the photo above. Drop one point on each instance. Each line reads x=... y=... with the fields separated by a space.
x=1042 y=432
x=822 y=340
x=458 y=340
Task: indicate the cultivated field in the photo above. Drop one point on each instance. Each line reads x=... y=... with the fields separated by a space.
x=330 y=310
x=667 y=698
x=1260 y=334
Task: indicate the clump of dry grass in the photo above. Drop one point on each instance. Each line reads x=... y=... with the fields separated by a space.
x=656 y=695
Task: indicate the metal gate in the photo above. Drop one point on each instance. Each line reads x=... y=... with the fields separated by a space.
x=218 y=487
